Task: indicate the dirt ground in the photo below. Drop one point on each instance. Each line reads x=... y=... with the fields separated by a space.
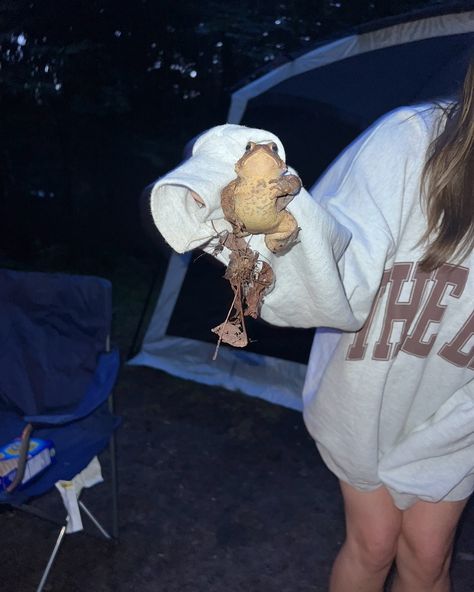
x=218 y=492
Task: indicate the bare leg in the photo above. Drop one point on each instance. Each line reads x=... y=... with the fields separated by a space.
x=373 y=524
x=425 y=546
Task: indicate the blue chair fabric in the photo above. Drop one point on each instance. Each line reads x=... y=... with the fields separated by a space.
x=55 y=372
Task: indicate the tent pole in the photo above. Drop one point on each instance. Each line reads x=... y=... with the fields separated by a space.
x=134 y=345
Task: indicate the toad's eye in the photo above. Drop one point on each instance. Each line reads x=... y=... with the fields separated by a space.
x=248 y=147
x=274 y=147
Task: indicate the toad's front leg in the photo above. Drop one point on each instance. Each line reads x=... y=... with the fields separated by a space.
x=285 y=233
x=284 y=189
x=288 y=184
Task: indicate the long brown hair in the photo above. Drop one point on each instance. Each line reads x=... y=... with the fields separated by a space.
x=448 y=183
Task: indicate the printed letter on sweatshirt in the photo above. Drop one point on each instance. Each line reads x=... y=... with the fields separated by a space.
x=453 y=351
x=419 y=343
x=358 y=348
x=397 y=311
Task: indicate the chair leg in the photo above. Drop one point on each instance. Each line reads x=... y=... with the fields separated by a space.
x=60 y=538
x=113 y=477
x=114 y=485
x=94 y=520
x=52 y=557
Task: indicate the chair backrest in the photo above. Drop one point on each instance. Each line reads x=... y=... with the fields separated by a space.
x=52 y=328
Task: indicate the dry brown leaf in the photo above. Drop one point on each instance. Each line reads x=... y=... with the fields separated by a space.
x=249 y=279
x=261 y=282
x=234 y=243
x=232 y=333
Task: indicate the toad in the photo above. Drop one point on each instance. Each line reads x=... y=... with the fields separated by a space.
x=255 y=201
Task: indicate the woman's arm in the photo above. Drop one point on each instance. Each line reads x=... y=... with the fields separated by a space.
x=349 y=225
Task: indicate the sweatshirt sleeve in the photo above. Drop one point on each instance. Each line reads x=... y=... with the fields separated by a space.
x=365 y=195
x=349 y=222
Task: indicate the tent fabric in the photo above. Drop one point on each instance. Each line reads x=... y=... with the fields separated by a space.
x=326 y=98
x=397 y=35
x=256 y=375
x=317 y=104
x=190 y=355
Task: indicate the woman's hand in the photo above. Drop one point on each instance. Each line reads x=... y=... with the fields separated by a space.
x=198 y=199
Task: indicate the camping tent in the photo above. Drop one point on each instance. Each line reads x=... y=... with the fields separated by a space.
x=317 y=103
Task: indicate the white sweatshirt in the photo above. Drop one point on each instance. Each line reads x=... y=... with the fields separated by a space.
x=389 y=392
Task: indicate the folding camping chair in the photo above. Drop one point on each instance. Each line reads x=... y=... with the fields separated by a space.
x=57 y=373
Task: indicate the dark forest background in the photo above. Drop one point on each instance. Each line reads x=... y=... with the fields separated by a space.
x=98 y=98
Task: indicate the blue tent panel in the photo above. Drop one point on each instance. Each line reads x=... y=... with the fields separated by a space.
x=319 y=112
